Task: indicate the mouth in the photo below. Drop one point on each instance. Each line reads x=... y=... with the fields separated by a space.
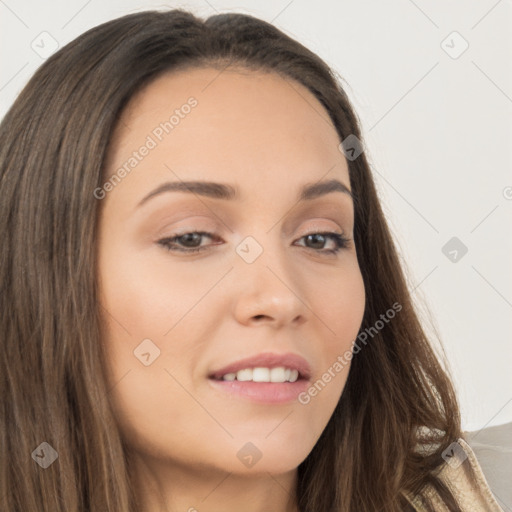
x=276 y=374
x=265 y=378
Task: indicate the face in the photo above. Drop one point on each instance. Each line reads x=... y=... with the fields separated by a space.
x=192 y=281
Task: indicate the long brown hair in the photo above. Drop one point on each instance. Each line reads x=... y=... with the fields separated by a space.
x=53 y=147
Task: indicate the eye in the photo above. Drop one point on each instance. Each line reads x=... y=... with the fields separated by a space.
x=191 y=242
x=340 y=241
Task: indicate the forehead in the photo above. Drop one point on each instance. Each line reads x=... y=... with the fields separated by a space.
x=245 y=125
x=231 y=93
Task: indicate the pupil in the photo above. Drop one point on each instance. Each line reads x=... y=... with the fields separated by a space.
x=190 y=237
x=317 y=237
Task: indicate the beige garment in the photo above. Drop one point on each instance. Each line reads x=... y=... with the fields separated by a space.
x=493 y=449
x=453 y=475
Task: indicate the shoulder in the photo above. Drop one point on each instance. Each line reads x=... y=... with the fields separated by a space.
x=459 y=461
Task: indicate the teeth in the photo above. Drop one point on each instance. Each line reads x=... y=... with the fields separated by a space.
x=260 y=374
x=244 y=375
x=278 y=374
x=294 y=375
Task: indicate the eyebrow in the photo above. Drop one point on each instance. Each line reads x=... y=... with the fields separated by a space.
x=228 y=192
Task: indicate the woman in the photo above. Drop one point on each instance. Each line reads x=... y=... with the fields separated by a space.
x=202 y=304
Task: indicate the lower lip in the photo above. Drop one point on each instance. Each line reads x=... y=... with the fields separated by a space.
x=263 y=392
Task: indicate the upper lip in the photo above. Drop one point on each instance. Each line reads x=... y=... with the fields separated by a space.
x=267 y=360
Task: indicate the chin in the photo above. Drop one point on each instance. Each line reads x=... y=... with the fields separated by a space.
x=262 y=457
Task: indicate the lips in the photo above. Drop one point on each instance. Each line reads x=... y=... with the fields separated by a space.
x=266 y=360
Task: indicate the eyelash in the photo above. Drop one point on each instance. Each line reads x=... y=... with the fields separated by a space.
x=340 y=241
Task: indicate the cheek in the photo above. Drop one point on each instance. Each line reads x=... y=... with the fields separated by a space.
x=142 y=299
x=340 y=303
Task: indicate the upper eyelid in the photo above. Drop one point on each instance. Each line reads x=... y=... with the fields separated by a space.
x=334 y=212
x=287 y=232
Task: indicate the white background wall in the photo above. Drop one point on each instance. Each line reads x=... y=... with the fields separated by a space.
x=438 y=131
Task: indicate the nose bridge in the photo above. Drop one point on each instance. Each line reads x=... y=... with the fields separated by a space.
x=264 y=247
x=269 y=277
